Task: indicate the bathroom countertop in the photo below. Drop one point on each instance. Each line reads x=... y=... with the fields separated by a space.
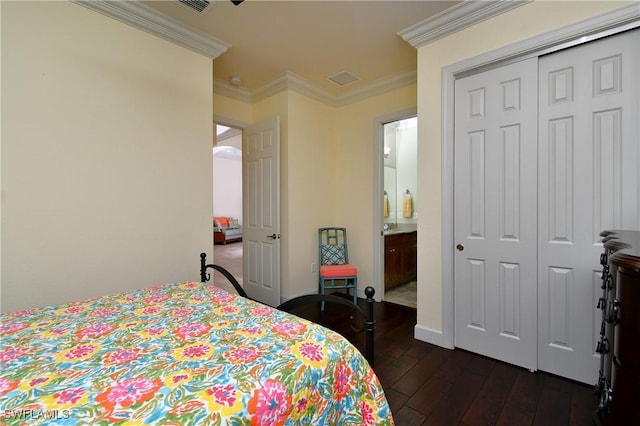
x=401 y=228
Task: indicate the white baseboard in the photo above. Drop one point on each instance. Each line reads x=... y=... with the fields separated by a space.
x=428 y=335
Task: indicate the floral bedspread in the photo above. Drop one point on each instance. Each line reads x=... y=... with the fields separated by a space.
x=180 y=354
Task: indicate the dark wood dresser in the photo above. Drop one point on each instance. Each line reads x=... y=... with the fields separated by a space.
x=618 y=387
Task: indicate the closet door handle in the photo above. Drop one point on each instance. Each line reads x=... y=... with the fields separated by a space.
x=460 y=247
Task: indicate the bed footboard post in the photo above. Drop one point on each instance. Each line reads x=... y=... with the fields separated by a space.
x=203 y=268
x=369 y=324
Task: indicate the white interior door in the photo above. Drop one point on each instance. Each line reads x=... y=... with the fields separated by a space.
x=495 y=213
x=589 y=181
x=261 y=211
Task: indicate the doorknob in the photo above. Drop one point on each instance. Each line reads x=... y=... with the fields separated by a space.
x=273 y=236
x=460 y=247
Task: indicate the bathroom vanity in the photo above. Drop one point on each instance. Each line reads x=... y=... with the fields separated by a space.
x=400 y=257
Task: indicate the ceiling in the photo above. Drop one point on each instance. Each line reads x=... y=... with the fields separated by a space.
x=312 y=39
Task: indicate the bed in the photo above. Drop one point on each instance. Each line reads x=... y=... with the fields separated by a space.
x=181 y=353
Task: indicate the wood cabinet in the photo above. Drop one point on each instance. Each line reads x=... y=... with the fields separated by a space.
x=625 y=374
x=619 y=347
x=400 y=259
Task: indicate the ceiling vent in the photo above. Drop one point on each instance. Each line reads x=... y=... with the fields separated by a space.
x=343 y=78
x=198 y=6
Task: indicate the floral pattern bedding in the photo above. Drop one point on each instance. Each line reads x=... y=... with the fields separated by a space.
x=180 y=354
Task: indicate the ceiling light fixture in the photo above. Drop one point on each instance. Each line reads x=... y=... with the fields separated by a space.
x=235 y=80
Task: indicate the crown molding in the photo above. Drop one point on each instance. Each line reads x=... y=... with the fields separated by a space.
x=613 y=22
x=146 y=19
x=150 y=20
x=288 y=80
x=232 y=132
x=291 y=81
x=378 y=87
x=456 y=18
x=234 y=92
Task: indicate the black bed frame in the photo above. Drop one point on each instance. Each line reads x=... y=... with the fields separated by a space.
x=204 y=276
x=366 y=315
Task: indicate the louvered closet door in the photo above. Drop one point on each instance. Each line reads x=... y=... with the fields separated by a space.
x=588 y=181
x=495 y=213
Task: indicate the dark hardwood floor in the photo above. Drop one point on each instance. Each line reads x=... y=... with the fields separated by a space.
x=430 y=385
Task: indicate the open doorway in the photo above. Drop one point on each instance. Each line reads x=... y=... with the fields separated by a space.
x=399 y=211
x=227 y=204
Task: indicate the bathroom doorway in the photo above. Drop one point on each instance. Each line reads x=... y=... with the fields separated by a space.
x=399 y=212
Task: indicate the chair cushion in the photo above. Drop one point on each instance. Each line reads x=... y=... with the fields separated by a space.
x=334 y=271
x=333 y=254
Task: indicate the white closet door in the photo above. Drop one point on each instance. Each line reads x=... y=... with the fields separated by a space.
x=495 y=213
x=588 y=182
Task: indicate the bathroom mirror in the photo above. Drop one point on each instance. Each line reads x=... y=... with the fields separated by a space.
x=400 y=172
x=390 y=197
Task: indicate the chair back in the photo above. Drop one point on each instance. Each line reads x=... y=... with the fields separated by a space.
x=333 y=248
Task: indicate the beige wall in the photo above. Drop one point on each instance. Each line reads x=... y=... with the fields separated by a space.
x=519 y=24
x=307 y=181
x=238 y=112
x=355 y=124
x=99 y=159
x=311 y=188
x=326 y=175
x=106 y=156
